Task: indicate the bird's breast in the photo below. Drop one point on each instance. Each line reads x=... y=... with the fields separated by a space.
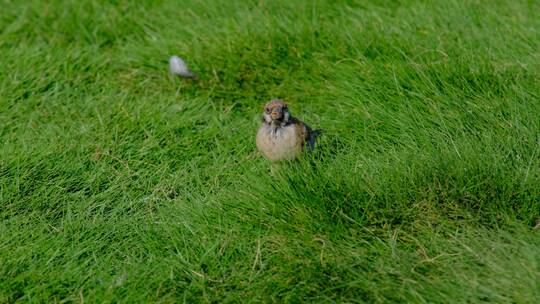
x=282 y=143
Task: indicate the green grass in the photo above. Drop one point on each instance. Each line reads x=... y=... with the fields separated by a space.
x=120 y=183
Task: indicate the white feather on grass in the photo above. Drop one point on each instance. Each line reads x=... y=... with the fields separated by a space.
x=177 y=66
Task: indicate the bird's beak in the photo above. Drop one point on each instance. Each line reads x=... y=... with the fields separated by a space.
x=276 y=114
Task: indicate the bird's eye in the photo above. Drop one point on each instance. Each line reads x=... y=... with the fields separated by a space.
x=267 y=110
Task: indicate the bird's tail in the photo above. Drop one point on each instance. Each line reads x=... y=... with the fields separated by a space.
x=317 y=133
x=313 y=136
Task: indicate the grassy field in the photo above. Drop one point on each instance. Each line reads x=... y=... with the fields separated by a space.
x=121 y=183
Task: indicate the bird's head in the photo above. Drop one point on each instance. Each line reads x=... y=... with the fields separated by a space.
x=276 y=112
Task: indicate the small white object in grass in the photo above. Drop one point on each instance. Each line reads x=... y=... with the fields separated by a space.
x=178 y=66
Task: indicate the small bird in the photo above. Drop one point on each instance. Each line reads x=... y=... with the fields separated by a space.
x=177 y=66
x=281 y=136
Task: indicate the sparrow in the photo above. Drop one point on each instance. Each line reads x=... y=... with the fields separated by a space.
x=281 y=136
x=177 y=66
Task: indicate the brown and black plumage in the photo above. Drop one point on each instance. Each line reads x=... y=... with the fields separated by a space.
x=281 y=136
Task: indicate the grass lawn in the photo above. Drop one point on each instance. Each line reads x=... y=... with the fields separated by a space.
x=121 y=183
